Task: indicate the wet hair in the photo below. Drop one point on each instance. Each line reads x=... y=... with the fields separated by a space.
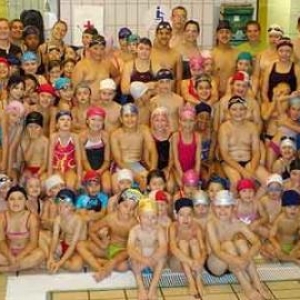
x=192 y=22
x=15 y=80
x=156 y=173
x=253 y=22
x=16 y=188
x=145 y=41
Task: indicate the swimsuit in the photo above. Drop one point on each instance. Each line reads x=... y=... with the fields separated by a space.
x=64 y=247
x=114 y=249
x=187 y=153
x=287 y=248
x=95 y=203
x=247 y=218
x=192 y=90
x=95 y=153
x=205 y=148
x=64 y=156
x=145 y=77
x=186 y=72
x=163 y=150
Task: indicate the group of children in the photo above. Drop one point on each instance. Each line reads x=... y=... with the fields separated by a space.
x=116 y=160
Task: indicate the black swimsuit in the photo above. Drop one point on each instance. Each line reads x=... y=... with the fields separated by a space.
x=141 y=76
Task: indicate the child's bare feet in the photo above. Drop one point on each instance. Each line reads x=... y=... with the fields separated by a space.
x=193 y=291
x=200 y=287
x=264 y=292
x=143 y=294
x=102 y=274
x=253 y=295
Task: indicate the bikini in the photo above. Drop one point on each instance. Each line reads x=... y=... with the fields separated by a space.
x=64 y=156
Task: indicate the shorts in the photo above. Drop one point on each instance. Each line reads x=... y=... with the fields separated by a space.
x=136 y=167
x=275 y=147
x=113 y=250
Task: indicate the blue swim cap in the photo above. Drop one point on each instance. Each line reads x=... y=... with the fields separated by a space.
x=61 y=83
x=290 y=198
x=245 y=56
x=28 y=56
x=66 y=196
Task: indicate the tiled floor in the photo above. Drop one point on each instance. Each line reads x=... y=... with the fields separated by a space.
x=286 y=290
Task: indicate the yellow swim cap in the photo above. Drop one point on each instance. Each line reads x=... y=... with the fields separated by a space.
x=147 y=204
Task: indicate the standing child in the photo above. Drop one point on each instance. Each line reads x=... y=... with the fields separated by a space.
x=147 y=248
x=64 y=151
x=68 y=230
x=186 y=244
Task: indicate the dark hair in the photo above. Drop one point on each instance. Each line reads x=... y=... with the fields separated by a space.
x=179 y=7
x=68 y=60
x=53 y=63
x=192 y=22
x=295 y=164
x=91 y=31
x=156 y=173
x=16 y=188
x=253 y=22
x=14 y=21
x=31 y=77
x=145 y=41
x=14 y=80
x=299 y=21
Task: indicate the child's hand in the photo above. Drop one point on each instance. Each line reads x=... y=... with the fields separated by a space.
x=54 y=267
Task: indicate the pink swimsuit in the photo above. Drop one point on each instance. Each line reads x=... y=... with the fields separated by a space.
x=187 y=153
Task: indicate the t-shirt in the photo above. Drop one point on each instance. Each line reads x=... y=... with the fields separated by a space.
x=253 y=49
x=95 y=203
x=13 y=50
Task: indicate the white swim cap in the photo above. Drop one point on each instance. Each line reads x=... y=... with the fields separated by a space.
x=224 y=198
x=138 y=89
x=52 y=181
x=200 y=197
x=275 y=29
x=288 y=142
x=274 y=178
x=107 y=84
x=124 y=174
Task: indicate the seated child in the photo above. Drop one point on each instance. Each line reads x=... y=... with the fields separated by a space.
x=93 y=204
x=216 y=184
x=201 y=205
x=293 y=183
x=229 y=253
x=68 y=230
x=147 y=248
x=33 y=188
x=284 y=234
x=5 y=185
x=187 y=246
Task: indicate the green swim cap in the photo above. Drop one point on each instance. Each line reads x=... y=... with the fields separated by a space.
x=133 y=38
x=245 y=56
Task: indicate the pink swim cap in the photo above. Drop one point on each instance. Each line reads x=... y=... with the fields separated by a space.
x=190 y=177
x=187 y=111
x=95 y=111
x=244 y=184
x=206 y=55
x=196 y=62
x=240 y=76
x=16 y=106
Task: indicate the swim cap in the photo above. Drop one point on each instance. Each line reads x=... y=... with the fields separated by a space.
x=82 y=85
x=129 y=108
x=147 y=205
x=61 y=83
x=13 y=60
x=203 y=77
x=133 y=38
x=217 y=179
x=159 y=196
x=275 y=29
x=52 y=181
x=97 y=40
x=190 y=178
x=187 y=111
x=34 y=117
x=200 y=197
x=95 y=111
x=245 y=184
x=124 y=174
x=245 y=56
x=161 y=110
x=236 y=99
x=206 y=54
x=130 y=194
x=138 y=89
x=163 y=25
x=224 y=198
x=29 y=56
x=295 y=164
x=196 y=62
x=288 y=142
x=164 y=74
x=274 y=178
x=294 y=101
x=240 y=76
x=290 y=198
x=4 y=179
x=62 y=113
x=91 y=175
x=183 y=202
x=15 y=106
x=107 y=84
x=124 y=33
x=66 y=196
x=223 y=24
x=30 y=30
x=202 y=107
x=17 y=188
x=284 y=41
x=46 y=88
x=4 y=61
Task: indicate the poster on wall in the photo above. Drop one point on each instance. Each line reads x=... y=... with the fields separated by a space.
x=83 y=17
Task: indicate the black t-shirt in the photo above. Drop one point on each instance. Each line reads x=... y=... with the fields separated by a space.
x=13 y=50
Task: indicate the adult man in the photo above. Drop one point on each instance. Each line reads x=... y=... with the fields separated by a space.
x=178 y=19
x=96 y=67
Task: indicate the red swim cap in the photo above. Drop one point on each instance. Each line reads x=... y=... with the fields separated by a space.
x=244 y=184
x=95 y=111
x=46 y=88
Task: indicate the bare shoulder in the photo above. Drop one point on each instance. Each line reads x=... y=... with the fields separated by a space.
x=117 y=133
x=177 y=97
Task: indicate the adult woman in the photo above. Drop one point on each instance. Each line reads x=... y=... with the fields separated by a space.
x=19 y=234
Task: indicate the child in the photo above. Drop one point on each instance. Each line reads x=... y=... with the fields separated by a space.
x=5 y=185
x=54 y=71
x=34 y=147
x=204 y=89
x=95 y=143
x=231 y=253
x=15 y=90
x=124 y=181
x=107 y=92
x=284 y=234
x=186 y=144
x=31 y=97
x=141 y=96
x=147 y=248
x=68 y=230
x=201 y=206
x=92 y=205
x=33 y=189
x=64 y=151
x=79 y=111
x=186 y=244
x=166 y=98
x=53 y=184
x=64 y=89
x=68 y=66
x=214 y=185
x=293 y=183
x=119 y=224
x=288 y=153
